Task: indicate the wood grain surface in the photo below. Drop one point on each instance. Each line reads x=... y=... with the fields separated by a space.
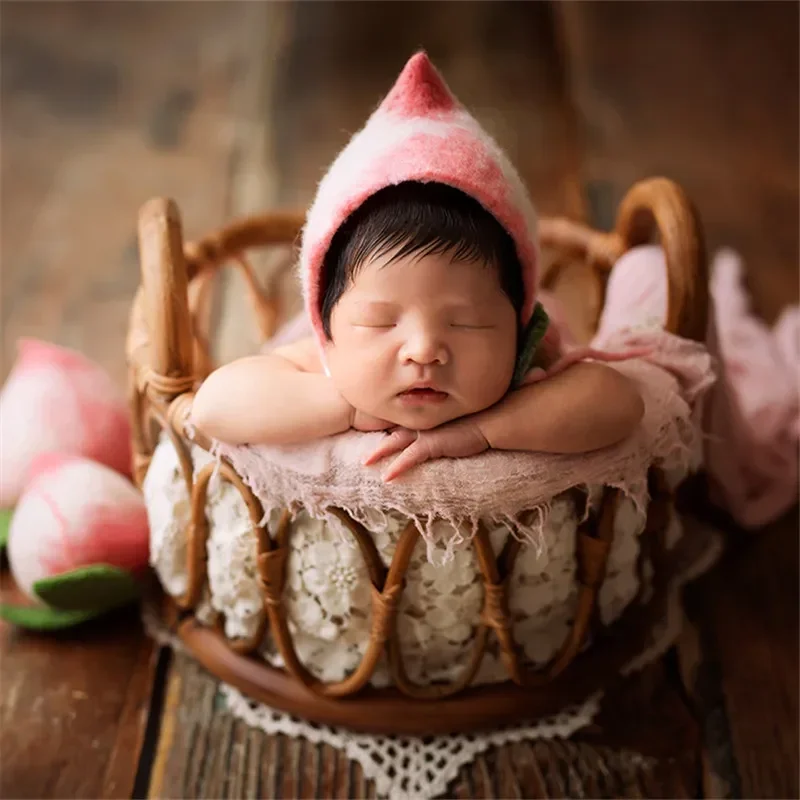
x=73 y=706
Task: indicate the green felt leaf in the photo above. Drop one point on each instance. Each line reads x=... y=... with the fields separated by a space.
x=43 y=618
x=98 y=586
x=531 y=338
x=5 y=525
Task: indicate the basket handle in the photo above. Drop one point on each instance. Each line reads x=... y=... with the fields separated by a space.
x=165 y=294
x=660 y=205
x=258 y=230
x=655 y=205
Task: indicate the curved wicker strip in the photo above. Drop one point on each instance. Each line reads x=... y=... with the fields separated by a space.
x=155 y=415
x=374 y=563
x=396 y=664
x=197 y=535
x=275 y=227
x=592 y=557
x=660 y=206
x=385 y=597
x=197 y=548
x=142 y=450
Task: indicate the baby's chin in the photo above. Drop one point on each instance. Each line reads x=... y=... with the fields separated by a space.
x=425 y=418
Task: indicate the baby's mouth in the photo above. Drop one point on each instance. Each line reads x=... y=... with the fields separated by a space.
x=422 y=395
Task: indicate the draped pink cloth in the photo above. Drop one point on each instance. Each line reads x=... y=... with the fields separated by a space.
x=752 y=415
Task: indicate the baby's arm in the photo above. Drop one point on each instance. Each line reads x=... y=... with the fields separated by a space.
x=584 y=408
x=276 y=398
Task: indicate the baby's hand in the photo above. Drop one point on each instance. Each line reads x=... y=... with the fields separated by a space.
x=456 y=439
x=362 y=421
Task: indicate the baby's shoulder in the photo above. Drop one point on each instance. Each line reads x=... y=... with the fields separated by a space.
x=303 y=353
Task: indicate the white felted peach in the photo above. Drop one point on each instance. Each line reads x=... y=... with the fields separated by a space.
x=57 y=400
x=74 y=517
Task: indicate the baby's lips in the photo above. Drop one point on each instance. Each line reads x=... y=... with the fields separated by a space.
x=57 y=400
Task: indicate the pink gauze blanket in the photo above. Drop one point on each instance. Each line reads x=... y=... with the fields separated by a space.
x=752 y=416
x=503 y=487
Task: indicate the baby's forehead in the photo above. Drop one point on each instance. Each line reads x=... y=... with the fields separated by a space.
x=444 y=292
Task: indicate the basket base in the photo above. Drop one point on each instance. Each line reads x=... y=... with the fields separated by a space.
x=390 y=712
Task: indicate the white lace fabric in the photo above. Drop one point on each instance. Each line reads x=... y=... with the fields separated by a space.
x=327 y=591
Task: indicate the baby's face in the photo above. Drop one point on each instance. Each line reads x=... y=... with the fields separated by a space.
x=422 y=340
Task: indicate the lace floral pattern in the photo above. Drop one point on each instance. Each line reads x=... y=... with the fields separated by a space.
x=167 y=503
x=328 y=596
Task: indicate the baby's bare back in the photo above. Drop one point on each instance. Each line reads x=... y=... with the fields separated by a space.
x=304 y=354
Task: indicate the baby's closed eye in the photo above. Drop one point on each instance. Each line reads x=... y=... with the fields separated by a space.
x=374 y=318
x=475 y=326
x=375 y=325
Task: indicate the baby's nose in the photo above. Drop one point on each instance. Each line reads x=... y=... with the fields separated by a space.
x=424 y=347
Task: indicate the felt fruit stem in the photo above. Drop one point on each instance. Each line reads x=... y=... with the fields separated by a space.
x=74 y=597
x=43 y=618
x=93 y=586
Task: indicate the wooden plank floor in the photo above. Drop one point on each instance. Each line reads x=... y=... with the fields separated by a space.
x=230 y=108
x=90 y=129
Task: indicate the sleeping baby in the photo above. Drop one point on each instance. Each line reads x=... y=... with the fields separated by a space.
x=419 y=272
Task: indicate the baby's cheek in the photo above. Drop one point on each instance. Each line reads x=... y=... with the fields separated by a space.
x=488 y=375
x=358 y=380
x=491 y=358
x=487 y=390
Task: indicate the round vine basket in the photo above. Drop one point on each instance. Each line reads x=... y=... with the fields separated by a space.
x=167 y=352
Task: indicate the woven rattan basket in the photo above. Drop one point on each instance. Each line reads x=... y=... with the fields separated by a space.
x=168 y=358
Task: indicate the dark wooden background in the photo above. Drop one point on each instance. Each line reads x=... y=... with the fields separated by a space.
x=235 y=107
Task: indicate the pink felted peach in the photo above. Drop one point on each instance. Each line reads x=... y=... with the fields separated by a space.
x=78 y=537
x=57 y=400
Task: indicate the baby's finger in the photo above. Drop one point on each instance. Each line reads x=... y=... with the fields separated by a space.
x=413 y=455
x=393 y=443
x=534 y=376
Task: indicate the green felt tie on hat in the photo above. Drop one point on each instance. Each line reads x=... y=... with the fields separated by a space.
x=529 y=344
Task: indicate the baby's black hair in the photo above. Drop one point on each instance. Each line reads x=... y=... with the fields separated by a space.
x=418 y=218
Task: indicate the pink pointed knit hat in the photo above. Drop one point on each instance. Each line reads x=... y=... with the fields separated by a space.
x=420 y=132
